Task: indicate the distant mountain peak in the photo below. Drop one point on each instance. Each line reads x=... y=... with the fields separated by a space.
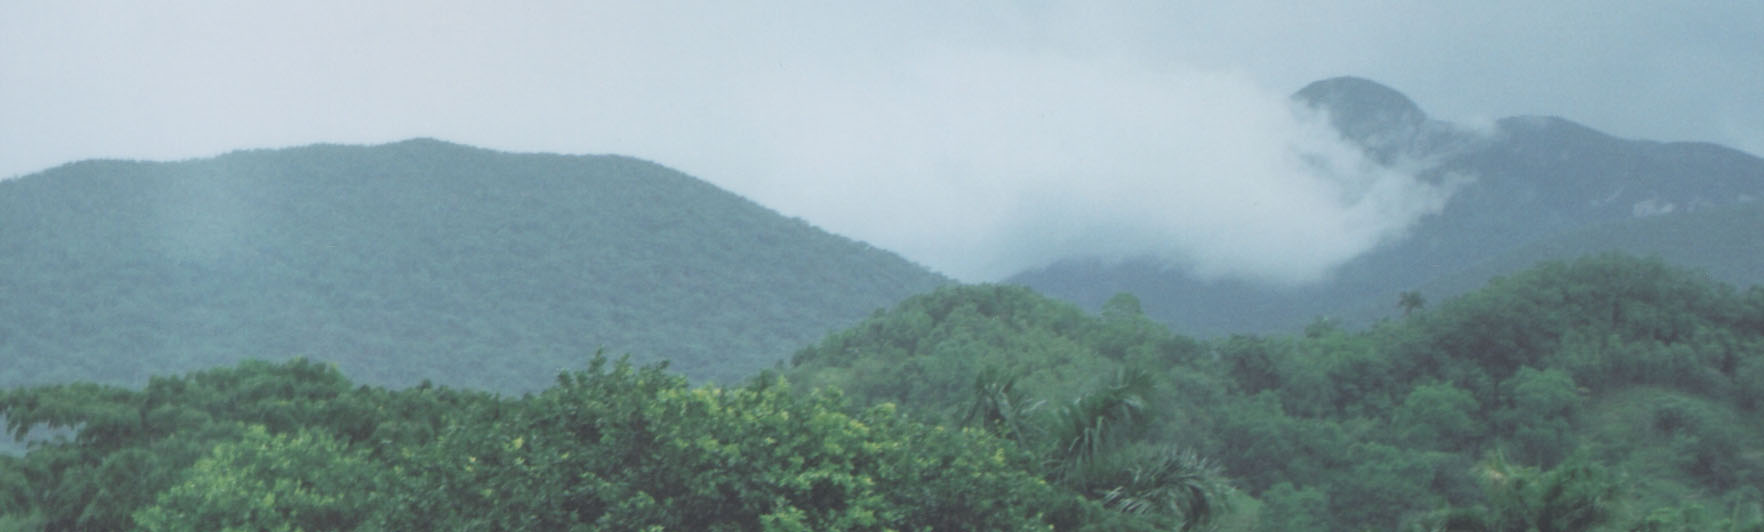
x=1361 y=101
x=1384 y=121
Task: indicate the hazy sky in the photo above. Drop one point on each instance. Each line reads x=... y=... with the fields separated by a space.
x=978 y=138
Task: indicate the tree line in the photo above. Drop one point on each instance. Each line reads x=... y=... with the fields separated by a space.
x=1608 y=393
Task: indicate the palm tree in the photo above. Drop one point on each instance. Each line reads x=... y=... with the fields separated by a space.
x=1410 y=302
x=1098 y=423
x=1173 y=483
x=998 y=407
x=1088 y=448
x=1093 y=455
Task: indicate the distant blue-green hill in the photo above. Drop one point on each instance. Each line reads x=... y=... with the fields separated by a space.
x=1538 y=188
x=1726 y=243
x=411 y=261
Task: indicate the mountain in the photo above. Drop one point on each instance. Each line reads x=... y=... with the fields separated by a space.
x=1528 y=180
x=418 y=260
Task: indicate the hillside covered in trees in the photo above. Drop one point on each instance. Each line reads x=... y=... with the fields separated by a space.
x=1614 y=390
x=1607 y=393
x=419 y=260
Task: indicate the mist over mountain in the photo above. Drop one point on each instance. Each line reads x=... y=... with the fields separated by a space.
x=1521 y=181
x=1385 y=123
x=981 y=164
x=411 y=261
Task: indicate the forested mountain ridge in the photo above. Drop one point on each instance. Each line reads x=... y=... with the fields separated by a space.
x=1526 y=180
x=410 y=261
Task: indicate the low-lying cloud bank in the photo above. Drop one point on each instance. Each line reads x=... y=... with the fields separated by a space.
x=983 y=165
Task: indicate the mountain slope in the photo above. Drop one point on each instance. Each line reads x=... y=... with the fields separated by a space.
x=1531 y=179
x=410 y=261
x=1723 y=242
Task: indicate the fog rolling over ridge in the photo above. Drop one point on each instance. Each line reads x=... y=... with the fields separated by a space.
x=1022 y=161
x=1523 y=190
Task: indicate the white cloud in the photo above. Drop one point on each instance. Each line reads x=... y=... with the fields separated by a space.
x=982 y=164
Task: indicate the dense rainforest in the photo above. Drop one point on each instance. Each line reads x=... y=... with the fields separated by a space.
x=1605 y=393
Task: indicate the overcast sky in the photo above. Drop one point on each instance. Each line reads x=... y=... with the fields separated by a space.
x=979 y=138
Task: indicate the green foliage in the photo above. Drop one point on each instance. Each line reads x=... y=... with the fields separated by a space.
x=1289 y=509
x=294 y=447
x=1704 y=443
x=1576 y=495
x=926 y=353
x=1609 y=393
x=1749 y=383
x=1093 y=445
x=1438 y=416
x=1084 y=431
x=1255 y=364
x=15 y=486
x=1261 y=445
x=1539 y=414
x=999 y=408
x=992 y=356
x=1384 y=419
x=132 y=446
x=636 y=448
x=304 y=481
x=1383 y=485
x=1744 y=514
x=1523 y=320
x=1180 y=487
